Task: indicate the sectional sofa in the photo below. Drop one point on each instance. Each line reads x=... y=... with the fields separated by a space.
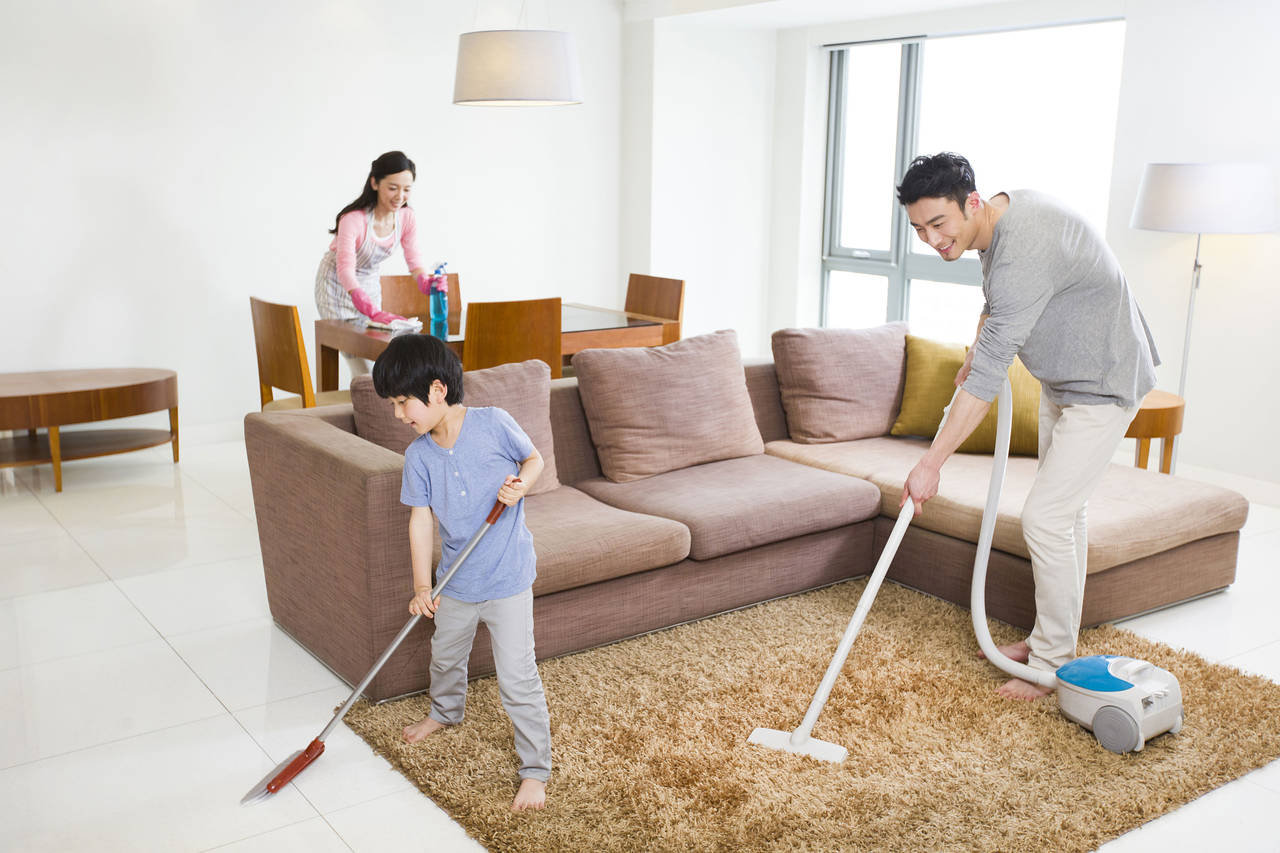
x=681 y=483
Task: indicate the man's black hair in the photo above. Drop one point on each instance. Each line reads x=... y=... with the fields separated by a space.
x=944 y=175
x=411 y=363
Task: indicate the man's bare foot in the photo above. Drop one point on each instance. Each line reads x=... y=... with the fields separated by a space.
x=1016 y=688
x=1018 y=651
x=532 y=795
x=421 y=730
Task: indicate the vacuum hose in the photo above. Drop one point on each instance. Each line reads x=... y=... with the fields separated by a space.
x=978 y=594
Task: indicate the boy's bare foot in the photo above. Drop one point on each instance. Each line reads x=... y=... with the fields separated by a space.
x=532 y=795
x=421 y=730
x=1018 y=651
x=1016 y=688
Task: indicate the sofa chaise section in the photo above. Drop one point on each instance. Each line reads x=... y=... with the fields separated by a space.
x=1154 y=540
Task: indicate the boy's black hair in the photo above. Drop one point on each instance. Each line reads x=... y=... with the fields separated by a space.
x=409 y=365
x=943 y=175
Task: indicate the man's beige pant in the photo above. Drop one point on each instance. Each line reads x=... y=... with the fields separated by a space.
x=1076 y=444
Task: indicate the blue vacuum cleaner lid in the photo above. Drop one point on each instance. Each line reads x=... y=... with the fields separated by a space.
x=1092 y=673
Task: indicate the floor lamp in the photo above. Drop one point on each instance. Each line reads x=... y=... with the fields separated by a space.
x=1205 y=198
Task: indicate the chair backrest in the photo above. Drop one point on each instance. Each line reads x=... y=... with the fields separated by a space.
x=400 y=295
x=282 y=353
x=502 y=332
x=657 y=297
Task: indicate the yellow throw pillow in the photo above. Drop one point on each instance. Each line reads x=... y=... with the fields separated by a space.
x=930 y=382
x=928 y=386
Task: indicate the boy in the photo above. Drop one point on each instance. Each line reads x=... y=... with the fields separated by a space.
x=460 y=459
x=1056 y=296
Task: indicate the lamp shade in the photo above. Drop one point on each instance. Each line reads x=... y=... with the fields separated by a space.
x=1207 y=198
x=515 y=68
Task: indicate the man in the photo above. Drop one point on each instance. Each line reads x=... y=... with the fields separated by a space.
x=1055 y=295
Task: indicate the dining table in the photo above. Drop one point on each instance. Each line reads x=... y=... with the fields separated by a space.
x=581 y=327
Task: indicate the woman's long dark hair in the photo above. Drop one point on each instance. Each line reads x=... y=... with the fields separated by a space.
x=388 y=164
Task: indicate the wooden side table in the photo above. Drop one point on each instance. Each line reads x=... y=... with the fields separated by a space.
x=1160 y=417
x=50 y=399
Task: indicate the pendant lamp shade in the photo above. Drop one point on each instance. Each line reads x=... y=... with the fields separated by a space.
x=517 y=68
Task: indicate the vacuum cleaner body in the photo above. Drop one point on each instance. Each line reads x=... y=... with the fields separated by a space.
x=1124 y=701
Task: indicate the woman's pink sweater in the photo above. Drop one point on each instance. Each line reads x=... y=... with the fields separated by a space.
x=352 y=228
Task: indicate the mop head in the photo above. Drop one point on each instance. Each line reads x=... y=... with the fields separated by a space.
x=800 y=745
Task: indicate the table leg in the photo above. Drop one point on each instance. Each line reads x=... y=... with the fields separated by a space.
x=1166 y=454
x=1143 y=453
x=327 y=368
x=55 y=451
x=173 y=430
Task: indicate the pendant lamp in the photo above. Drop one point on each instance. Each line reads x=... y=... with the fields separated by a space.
x=517 y=68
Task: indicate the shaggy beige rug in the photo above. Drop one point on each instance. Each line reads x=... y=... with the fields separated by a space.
x=650 y=741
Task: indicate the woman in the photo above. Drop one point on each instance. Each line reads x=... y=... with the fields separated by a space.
x=366 y=232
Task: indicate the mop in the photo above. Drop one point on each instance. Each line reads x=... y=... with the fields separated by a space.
x=286 y=770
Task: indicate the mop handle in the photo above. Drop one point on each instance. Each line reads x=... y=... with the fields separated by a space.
x=868 y=598
x=408 y=626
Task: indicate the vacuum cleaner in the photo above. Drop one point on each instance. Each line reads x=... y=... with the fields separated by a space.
x=1124 y=701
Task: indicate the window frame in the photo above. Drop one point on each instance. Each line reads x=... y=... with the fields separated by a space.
x=899 y=265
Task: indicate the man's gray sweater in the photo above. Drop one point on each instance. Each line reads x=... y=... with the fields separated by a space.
x=1057 y=298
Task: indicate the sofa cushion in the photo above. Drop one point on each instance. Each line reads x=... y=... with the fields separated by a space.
x=736 y=504
x=658 y=409
x=930 y=384
x=523 y=389
x=1133 y=513
x=840 y=384
x=580 y=540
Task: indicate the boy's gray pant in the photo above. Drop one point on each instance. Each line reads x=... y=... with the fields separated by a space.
x=510 y=624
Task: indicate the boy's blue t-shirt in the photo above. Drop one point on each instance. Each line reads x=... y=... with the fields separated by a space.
x=460 y=485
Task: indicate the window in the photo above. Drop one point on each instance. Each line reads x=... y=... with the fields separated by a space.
x=1047 y=122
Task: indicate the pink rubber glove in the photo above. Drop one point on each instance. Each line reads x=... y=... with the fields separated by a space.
x=363 y=303
x=365 y=306
x=424 y=284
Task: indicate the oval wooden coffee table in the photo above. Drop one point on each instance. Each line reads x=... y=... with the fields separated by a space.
x=51 y=399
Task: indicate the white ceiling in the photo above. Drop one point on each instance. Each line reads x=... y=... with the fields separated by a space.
x=781 y=14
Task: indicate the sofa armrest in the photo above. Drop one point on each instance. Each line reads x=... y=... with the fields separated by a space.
x=333 y=533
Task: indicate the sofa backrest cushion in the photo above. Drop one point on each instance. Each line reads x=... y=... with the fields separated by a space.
x=658 y=409
x=840 y=384
x=762 y=385
x=523 y=389
x=930 y=383
x=575 y=454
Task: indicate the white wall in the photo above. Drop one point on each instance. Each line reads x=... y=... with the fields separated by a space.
x=1199 y=85
x=164 y=161
x=711 y=167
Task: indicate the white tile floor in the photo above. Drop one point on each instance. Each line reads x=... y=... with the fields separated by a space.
x=144 y=688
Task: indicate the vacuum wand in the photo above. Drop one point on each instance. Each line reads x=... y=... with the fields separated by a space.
x=799 y=741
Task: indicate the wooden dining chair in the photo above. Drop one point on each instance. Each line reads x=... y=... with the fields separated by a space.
x=502 y=332
x=282 y=359
x=657 y=297
x=400 y=295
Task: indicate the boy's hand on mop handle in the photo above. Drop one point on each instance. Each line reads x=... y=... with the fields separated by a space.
x=512 y=490
x=421 y=603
